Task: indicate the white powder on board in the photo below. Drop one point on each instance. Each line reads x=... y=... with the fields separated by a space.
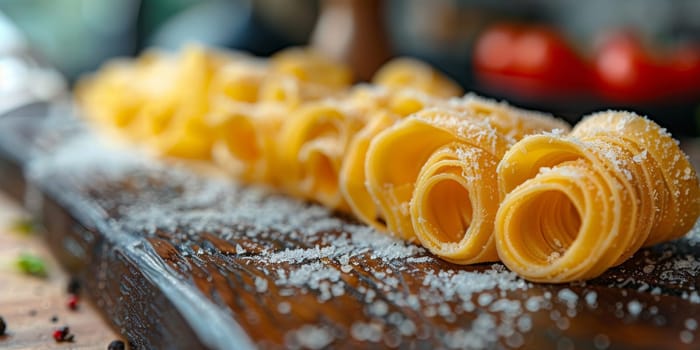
x=319 y=261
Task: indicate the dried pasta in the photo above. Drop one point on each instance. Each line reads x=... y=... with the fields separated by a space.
x=323 y=145
x=433 y=175
x=406 y=72
x=470 y=179
x=311 y=147
x=394 y=106
x=582 y=203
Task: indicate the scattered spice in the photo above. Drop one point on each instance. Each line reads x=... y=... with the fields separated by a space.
x=73 y=286
x=3 y=326
x=73 y=302
x=63 y=334
x=116 y=345
x=31 y=265
x=25 y=226
x=54 y=319
x=32 y=312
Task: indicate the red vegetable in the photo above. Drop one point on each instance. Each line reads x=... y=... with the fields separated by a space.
x=629 y=72
x=530 y=61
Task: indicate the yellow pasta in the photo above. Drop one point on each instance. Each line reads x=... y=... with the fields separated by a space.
x=311 y=147
x=159 y=100
x=113 y=97
x=383 y=107
x=352 y=172
x=581 y=203
x=401 y=73
x=514 y=123
x=657 y=152
x=244 y=142
x=365 y=111
x=185 y=105
x=185 y=135
x=311 y=67
x=471 y=179
x=433 y=175
x=241 y=81
x=397 y=155
x=454 y=203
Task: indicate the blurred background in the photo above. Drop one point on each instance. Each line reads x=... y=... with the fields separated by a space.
x=567 y=57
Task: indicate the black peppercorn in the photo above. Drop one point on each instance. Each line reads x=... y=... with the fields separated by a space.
x=73 y=286
x=116 y=345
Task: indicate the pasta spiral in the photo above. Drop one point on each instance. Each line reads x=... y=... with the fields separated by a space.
x=471 y=179
x=582 y=203
x=433 y=175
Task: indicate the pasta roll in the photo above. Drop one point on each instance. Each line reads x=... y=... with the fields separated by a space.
x=158 y=100
x=184 y=137
x=405 y=102
x=310 y=66
x=657 y=151
x=401 y=73
x=397 y=155
x=151 y=120
x=245 y=140
x=241 y=80
x=368 y=98
x=312 y=144
x=352 y=171
x=383 y=109
x=579 y=204
x=512 y=122
x=402 y=102
x=455 y=202
x=185 y=132
x=549 y=230
x=115 y=96
x=291 y=92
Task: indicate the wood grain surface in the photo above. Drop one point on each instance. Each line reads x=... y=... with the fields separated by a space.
x=177 y=259
x=28 y=304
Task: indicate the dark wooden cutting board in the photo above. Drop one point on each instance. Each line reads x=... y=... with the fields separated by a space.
x=177 y=259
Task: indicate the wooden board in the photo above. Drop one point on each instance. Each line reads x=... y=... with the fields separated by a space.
x=182 y=260
x=28 y=303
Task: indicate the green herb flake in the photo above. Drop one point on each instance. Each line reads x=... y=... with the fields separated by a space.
x=31 y=265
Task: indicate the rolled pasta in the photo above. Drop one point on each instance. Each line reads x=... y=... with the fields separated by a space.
x=185 y=131
x=310 y=66
x=383 y=108
x=397 y=155
x=401 y=73
x=352 y=180
x=240 y=81
x=311 y=146
x=657 y=152
x=472 y=179
x=245 y=140
x=159 y=100
x=444 y=190
x=580 y=204
x=514 y=123
x=455 y=202
x=112 y=98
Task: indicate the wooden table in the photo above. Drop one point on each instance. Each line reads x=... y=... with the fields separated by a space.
x=175 y=259
x=29 y=303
